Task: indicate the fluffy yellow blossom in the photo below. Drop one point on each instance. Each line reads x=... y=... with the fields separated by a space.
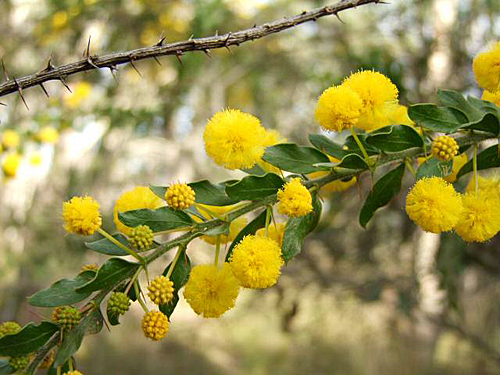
x=10 y=139
x=271 y=138
x=179 y=196
x=480 y=218
x=434 y=205
x=458 y=162
x=294 y=199
x=489 y=185
x=444 y=148
x=11 y=164
x=155 y=325
x=256 y=262
x=336 y=186
x=36 y=159
x=375 y=90
x=81 y=215
x=493 y=97
x=139 y=197
x=338 y=108
x=275 y=233
x=486 y=68
x=211 y=291
x=234 y=139
x=47 y=134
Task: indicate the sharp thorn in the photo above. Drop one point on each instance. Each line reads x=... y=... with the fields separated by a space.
x=63 y=81
x=191 y=37
x=160 y=42
x=178 y=55
x=254 y=25
x=49 y=66
x=338 y=17
x=20 y=91
x=44 y=90
x=112 y=69
x=5 y=105
x=87 y=52
x=133 y=66
x=207 y=52
x=216 y=32
x=156 y=59
x=229 y=49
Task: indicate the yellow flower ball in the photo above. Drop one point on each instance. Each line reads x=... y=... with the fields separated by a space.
x=480 y=218
x=234 y=139
x=444 y=148
x=155 y=325
x=10 y=139
x=211 y=291
x=493 y=97
x=36 y=159
x=11 y=164
x=458 y=162
x=375 y=90
x=81 y=215
x=179 y=196
x=161 y=290
x=486 y=66
x=138 y=198
x=256 y=262
x=294 y=199
x=338 y=108
x=47 y=134
x=489 y=185
x=274 y=232
x=434 y=205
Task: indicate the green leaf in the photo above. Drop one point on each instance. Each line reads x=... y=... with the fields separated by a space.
x=485 y=159
x=62 y=292
x=351 y=146
x=326 y=145
x=395 y=138
x=221 y=229
x=163 y=218
x=297 y=228
x=434 y=167
x=159 y=191
x=292 y=158
x=255 y=187
x=90 y=324
x=206 y=192
x=250 y=228
x=31 y=338
x=5 y=368
x=353 y=161
x=110 y=273
x=255 y=170
x=456 y=100
x=107 y=247
x=384 y=189
x=179 y=277
x=439 y=119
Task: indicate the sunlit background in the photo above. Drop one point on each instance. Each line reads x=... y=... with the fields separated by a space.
x=386 y=300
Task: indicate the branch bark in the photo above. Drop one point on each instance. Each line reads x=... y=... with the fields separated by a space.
x=110 y=61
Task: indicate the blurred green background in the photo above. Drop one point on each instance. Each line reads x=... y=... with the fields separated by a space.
x=387 y=300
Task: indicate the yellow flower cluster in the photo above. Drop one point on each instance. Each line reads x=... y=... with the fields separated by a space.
x=81 y=215
x=11 y=164
x=47 y=134
x=155 y=325
x=179 y=196
x=161 y=290
x=10 y=139
x=486 y=66
x=211 y=291
x=294 y=199
x=480 y=218
x=444 y=148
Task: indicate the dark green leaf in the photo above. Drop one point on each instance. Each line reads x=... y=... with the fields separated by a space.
x=107 y=247
x=255 y=170
x=395 y=138
x=292 y=158
x=29 y=339
x=485 y=159
x=488 y=123
x=221 y=229
x=113 y=318
x=5 y=368
x=353 y=161
x=434 y=167
x=159 y=191
x=439 y=119
x=384 y=189
x=326 y=145
x=91 y=324
x=212 y=194
x=456 y=100
x=250 y=228
x=110 y=273
x=297 y=228
x=255 y=187
x=179 y=278
x=351 y=146
x=163 y=218
x=63 y=292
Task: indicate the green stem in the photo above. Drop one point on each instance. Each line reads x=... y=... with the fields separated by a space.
x=70 y=363
x=132 y=280
x=474 y=166
x=139 y=298
x=410 y=167
x=217 y=250
x=183 y=229
x=268 y=219
x=174 y=262
x=361 y=147
x=58 y=372
x=120 y=245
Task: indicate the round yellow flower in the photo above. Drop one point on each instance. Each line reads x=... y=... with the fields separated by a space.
x=47 y=134
x=486 y=68
x=155 y=325
x=81 y=215
x=274 y=232
x=480 y=218
x=138 y=198
x=36 y=159
x=234 y=139
x=211 y=291
x=11 y=164
x=10 y=139
x=294 y=199
x=161 y=290
x=444 y=148
x=256 y=262
x=434 y=205
x=338 y=108
x=493 y=97
x=375 y=91
x=336 y=186
x=489 y=185
x=179 y=196
x=458 y=162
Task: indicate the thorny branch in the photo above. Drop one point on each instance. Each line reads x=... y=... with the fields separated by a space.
x=177 y=49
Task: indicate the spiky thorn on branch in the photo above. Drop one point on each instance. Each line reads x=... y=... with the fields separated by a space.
x=111 y=61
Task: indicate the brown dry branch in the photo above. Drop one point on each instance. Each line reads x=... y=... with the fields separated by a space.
x=177 y=49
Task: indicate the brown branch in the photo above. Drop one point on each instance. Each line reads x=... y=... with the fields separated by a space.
x=178 y=48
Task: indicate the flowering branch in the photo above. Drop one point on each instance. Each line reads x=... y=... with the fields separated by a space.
x=111 y=61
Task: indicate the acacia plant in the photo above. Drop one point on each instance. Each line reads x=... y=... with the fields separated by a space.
x=263 y=218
